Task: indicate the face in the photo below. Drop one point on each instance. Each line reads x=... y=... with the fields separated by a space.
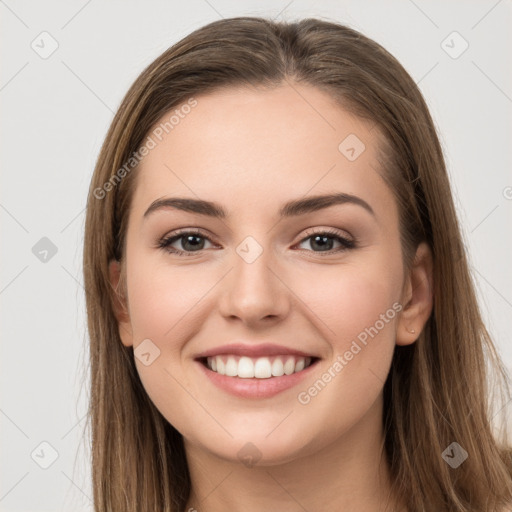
x=262 y=291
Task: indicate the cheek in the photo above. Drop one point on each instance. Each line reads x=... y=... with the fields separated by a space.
x=360 y=305
x=164 y=299
x=349 y=300
x=164 y=304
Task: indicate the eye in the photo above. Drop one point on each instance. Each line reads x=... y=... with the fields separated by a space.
x=191 y=241
x=325 y=239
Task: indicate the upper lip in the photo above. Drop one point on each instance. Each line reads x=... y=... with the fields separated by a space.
x=241 y=349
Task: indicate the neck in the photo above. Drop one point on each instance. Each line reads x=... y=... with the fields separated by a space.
x=351 y=474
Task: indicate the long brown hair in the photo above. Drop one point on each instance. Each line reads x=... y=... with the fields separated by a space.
x=437 y=391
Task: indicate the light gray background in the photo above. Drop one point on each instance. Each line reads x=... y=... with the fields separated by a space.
x=55 y=114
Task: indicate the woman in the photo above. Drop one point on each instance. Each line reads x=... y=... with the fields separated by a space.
x=280 y=309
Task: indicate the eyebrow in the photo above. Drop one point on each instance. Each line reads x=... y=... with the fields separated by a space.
x=290 y=209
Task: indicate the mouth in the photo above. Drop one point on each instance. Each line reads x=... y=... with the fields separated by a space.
x=255 y=371
x=264 y=367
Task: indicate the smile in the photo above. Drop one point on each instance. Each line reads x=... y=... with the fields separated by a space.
x=256 y=371
x=257 y=367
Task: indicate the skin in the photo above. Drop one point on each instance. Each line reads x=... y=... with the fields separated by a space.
x=251 y=150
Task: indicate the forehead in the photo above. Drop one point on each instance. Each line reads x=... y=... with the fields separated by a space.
x=264 y=145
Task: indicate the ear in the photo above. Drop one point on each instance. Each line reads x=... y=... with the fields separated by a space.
x=120 y=304
x=417 y=297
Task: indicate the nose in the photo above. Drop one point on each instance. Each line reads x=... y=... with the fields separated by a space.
x=255 y=292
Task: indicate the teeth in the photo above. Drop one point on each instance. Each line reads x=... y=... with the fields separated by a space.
x=259 y=368
x=299 y=365
x=245 y=368
x=289 y=366
x=231 y=367
x=262 y=368
x=221 y=368
x=277 y=367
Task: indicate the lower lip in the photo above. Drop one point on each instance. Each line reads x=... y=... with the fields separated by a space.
x=256 y=388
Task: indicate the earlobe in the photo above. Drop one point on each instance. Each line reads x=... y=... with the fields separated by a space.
x=417 y=299
x=120 y=305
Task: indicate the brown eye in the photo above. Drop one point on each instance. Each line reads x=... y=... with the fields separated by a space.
x=323 y=241
x=190 y=242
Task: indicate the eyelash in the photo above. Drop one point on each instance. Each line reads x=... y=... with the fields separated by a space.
x=165 y=243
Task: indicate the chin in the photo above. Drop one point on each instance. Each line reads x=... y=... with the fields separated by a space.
x=260 y=454
x=259 y=447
